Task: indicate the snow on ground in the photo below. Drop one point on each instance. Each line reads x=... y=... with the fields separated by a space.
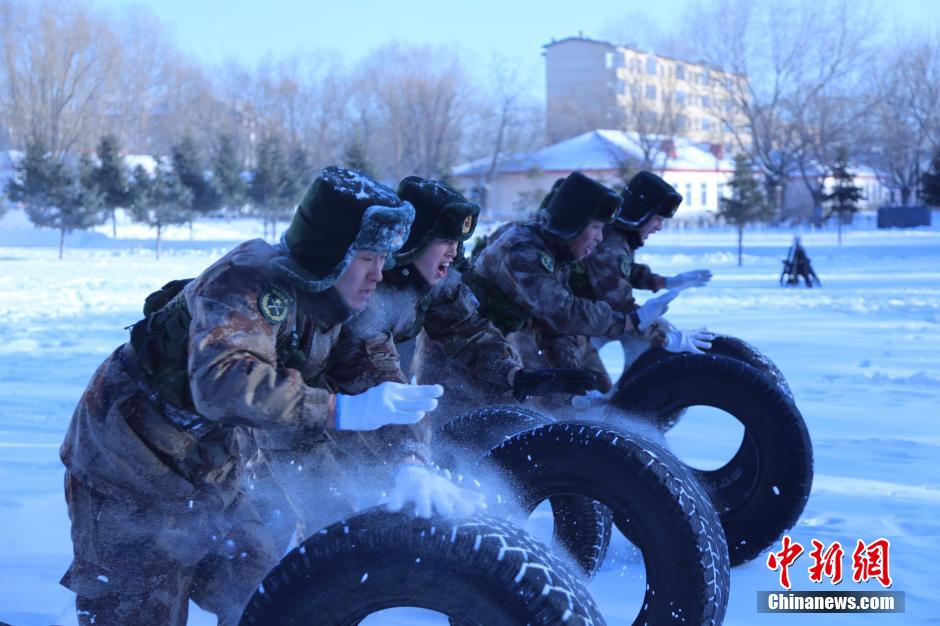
x=862 y=356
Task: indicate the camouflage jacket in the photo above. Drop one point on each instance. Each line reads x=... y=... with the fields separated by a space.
x=126 y=440
x=531 y=269
x=404 y=306
x=612 y=274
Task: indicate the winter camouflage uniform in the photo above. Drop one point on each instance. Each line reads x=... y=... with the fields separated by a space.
x=454 y=333
x=610 y=275
x=522 y=281
x=154 y=474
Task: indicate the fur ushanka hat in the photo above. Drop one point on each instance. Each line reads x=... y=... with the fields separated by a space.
x=644 y=196
x=440 y=212
x=574 y=202
x=342 y=213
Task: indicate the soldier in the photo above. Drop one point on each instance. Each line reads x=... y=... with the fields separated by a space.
x=425 y=292
x=153 y=469
x=521 y=278
x=611 y=274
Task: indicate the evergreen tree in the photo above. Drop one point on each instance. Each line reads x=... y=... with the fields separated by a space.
x=111 y=178
x=298 y=176
x=268 y=182
x=930 y=182
x=188 y=166
x=843 y=200
x=355 y=158
x=53 y=195
x=747 y=203
x=227 y=174
x=160 y=201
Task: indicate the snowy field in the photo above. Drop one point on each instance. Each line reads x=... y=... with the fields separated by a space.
x=862 y=356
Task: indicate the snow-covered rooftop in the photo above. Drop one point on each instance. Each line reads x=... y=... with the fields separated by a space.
x=600 y=150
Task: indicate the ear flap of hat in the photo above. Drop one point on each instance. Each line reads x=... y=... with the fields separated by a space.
x=576 y=202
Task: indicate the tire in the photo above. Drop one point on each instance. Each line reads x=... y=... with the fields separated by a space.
x=478 y=570
x=582 y=526
x=762 y=491
x=726 y=345
x=656 y=503
x=723 y=345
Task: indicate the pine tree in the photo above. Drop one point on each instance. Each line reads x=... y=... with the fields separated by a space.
x=297 y=177
x=930 y=182
x=747 y=203
x=844 y=197
x=267 y=187
x=227 y=174
x=188 y=166
x=160 y=201
x=55 y=196
x=111 y=178
x=355 y=158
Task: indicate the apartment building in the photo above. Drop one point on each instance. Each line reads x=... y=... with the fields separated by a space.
x=595 y=84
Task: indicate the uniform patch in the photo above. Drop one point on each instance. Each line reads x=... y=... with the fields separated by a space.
x=547 y=262
x=625 y=265
x=274 y=304
x=467 y=225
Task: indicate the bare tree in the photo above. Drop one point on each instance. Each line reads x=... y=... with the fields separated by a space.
x=504 y=119
x=55 y=63
x=904 y=124
x=778 y=59
x=419 y=109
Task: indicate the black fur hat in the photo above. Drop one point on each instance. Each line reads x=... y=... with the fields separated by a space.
x=440 y=212
x=551 y=193
x=575 y=202
x=644 y=196
x=343 y=212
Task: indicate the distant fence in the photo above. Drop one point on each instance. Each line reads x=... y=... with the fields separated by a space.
x=903 y=216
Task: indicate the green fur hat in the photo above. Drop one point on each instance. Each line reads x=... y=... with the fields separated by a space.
x=440 y=212
x=342 y=213
x=644 y=196
x=574 y=203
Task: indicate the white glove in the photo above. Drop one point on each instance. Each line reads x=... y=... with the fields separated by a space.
x=388 y=403
x=693 y=341
x=654 y=308
x=694 y=278
x=416 y=485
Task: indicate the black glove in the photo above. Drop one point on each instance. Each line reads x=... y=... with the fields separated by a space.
x=557 y=380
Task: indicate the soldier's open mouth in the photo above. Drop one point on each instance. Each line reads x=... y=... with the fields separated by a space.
x=442 y=269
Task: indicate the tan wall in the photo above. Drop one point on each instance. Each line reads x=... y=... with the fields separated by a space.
x=584 y=76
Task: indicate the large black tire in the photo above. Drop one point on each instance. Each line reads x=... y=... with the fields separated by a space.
x=762 y=491
x=479 y=571
x=656 y=503
x=582 y=526
x=723 y=345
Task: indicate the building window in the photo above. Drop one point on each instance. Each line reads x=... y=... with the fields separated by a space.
x=688 y=194
x=706 y=101
x=609 y=60
x=706 y=124
x=704 y=192
x=651 y=92
x=703 y=79
x=680 y=97
x=681 y=122
x=680 y=72
x=651 y=65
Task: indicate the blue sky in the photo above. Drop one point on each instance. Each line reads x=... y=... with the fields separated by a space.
x=213 y=31
x=216 y=30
